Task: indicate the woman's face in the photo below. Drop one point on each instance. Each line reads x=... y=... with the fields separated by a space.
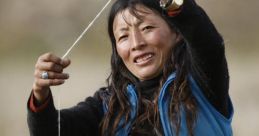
x=144 y=44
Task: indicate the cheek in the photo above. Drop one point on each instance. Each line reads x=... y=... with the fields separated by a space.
x=169 y=41
x=165 y=41
x=162 y=40
x=123 y=52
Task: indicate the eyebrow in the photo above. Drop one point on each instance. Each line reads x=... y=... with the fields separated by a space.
x=122 y=29
x=138 y=22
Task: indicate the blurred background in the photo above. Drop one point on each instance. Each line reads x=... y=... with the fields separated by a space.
x=29 y=28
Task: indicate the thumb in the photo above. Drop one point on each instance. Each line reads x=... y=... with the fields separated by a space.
x=65 y=62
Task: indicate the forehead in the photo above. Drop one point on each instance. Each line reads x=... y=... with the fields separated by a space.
x=135 y=17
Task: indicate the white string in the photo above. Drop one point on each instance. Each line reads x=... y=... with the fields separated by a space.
x=73 y=45
x=86 y=29
x=59 y=108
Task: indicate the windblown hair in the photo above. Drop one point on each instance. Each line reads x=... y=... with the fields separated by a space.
x=179 y=61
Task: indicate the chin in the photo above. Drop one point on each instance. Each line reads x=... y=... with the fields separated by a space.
x=148 y=72
x=147 y=76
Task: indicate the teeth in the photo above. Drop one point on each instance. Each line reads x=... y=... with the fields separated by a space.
x=143 y=58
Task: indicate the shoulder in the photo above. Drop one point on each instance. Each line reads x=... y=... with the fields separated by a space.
x=103 y=94
x=97 y=99
x=94 y=102
x=92 y=106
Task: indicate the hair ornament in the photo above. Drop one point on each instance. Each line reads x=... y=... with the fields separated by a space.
x=172 y=7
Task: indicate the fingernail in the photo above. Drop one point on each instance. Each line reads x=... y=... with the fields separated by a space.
x=65 y=61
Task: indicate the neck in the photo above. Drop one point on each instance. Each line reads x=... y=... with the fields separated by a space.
x=147 y=88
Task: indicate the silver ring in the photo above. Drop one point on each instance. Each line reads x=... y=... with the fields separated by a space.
x=44 y=75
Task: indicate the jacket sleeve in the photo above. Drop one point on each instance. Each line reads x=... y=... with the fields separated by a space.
x=207 y=49
x=80 y=120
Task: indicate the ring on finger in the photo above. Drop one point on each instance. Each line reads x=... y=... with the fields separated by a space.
x=44 y=75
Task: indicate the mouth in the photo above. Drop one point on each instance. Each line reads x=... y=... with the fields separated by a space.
x=143 y=58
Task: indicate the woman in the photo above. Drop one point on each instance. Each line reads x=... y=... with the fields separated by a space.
x=169 y=76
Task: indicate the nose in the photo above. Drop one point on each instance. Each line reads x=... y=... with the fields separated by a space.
x=138 y=41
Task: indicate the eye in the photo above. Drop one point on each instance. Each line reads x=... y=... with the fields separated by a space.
x=147 y=28
x=123 y=37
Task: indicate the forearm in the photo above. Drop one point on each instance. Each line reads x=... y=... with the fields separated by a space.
x=207 y=50
x=42 y=121
x=82 y=119
x=204 y=42
x=196 y=27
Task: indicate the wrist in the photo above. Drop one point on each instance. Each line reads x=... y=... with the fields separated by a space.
x=40 y=94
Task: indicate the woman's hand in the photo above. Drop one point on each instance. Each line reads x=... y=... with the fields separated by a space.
x=54 y=66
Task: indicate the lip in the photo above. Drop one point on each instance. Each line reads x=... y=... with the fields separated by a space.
x=143 y=55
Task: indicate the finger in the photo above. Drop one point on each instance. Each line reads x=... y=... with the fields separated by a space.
x=49 y=57
x=52 y=75
x=65 y=62
x=49 y=66
x=49 y=82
